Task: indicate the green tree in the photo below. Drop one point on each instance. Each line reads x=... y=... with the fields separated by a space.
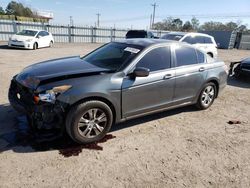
x=195 y=23
x=187 y=26
x=18 y=9
x=1 y=11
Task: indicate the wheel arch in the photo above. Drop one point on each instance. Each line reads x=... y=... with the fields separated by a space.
x=216 y=83
x=98 y=98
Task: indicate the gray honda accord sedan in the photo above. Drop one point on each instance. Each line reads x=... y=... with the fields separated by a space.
x=118 y=81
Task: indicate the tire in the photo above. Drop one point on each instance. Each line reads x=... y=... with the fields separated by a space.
x=35 y=46
x=207 y=96
x=83 y=128
x=51 y=44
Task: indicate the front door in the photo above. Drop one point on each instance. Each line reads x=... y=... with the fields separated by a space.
x=145 y=94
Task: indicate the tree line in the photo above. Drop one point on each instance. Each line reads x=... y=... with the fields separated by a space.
x=17 y=9
x=176 y=24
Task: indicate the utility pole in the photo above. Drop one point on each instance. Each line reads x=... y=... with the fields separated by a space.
x=153 y=19
x=71 y=22
x=150 y=23
x=98 y=19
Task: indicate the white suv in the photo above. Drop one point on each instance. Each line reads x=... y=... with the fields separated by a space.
x=202 y=41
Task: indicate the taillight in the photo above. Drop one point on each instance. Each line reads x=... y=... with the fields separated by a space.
x=36 y=99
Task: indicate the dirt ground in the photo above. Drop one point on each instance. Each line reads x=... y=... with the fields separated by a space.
x=178 y=148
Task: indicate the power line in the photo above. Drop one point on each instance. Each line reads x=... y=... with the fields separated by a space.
x=198 y=16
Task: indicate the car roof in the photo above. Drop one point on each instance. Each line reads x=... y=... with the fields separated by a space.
x=188 y=34
x=145 y=42
x=31 y=29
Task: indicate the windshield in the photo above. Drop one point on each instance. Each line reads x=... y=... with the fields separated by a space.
x=113 y=56
x=176 y=37
x=27 y=33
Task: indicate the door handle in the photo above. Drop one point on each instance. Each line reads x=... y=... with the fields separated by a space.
x=201 y=69
x=168 y=76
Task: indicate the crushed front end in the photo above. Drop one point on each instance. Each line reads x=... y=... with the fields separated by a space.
x=42 y=114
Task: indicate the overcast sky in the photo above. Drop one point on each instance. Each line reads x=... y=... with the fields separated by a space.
x=136 y=13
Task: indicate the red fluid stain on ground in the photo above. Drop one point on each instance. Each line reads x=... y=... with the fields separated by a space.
x=231 y=122
x=75 y=150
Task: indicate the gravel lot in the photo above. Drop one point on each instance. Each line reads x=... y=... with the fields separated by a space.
x=178 y=148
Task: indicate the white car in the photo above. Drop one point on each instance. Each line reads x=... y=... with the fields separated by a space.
x=202 y=41
x=31 y=39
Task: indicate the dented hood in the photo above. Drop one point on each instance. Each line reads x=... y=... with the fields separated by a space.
x=56 y=69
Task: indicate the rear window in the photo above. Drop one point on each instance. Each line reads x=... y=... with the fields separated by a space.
x=136 y=34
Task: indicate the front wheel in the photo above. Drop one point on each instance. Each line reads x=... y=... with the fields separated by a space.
x=89 y=121
x=207 y=96
x=35 y=46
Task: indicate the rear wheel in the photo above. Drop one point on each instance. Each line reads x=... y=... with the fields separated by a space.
x=210 y=54
x=89 y=121
x=35 y=46
x=207 y=96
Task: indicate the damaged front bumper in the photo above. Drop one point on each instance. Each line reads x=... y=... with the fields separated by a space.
x=41 y=115
x=239 y=68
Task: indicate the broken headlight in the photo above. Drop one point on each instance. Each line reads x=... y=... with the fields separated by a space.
x=50 y=95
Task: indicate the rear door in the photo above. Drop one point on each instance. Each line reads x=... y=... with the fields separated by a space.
x=145 y=94
x=191 y=73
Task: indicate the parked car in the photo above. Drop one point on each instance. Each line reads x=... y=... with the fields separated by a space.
x=31 y=39
x=116 y=82
x=202 y=41
x=139 y=34
x=240 y=68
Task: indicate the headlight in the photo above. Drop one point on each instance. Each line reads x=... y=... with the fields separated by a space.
x=50 y=95
x=29 y=40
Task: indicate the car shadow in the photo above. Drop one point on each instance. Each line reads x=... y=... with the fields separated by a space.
x=6 y=47
x=242 y=82
x=16 y=135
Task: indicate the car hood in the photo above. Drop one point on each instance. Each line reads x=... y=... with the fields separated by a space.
x=21 y=38
x=57 y=69
x=246 y=61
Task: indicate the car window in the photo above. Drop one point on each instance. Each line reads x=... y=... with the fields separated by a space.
x=40 y=34
x=185 y=56
x=200 y=56
x=156 y=59
x=172 y=37
x=208 y=40
x=199 y=40
x=45 y=33
x=189 y=40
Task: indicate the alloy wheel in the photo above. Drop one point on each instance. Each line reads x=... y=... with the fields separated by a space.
x=92 y=123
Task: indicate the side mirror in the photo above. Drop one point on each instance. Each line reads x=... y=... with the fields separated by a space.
x=39 y=36
x=141 y=72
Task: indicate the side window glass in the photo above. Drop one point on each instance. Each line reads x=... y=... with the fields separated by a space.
x=189 y=40
x=208 y=40
x=185 y=56
x=40 y=34
x=156 y=59
x=199 y=40
x=200 y=56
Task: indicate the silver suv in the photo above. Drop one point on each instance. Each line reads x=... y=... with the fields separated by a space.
x=116 y=82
